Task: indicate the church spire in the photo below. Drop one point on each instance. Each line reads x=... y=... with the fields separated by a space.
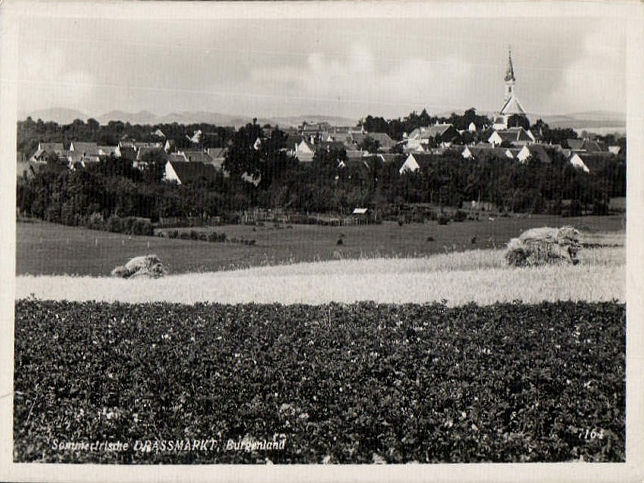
x=509 y=73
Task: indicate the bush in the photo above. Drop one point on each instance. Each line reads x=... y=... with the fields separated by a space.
x=443 y=219
x=216 y=237
x=113 y=224
x=96 y=221
x=173 y=234
x=460 y=216
x=184 y=235
x=203 y=236
x=600 y=208
x=573 y=209
x=142 y=227
x=194 y=235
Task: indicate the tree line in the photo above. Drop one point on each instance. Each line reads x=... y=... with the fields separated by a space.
x=330 y=183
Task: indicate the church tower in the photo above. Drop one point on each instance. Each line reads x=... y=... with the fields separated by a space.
x=511 y=104
x=509 y=78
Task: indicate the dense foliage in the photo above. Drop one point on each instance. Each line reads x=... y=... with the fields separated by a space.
x=340 y=383
x=331 y=183
x=31 y=132
x=111 y=188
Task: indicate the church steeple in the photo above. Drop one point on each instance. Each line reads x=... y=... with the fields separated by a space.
x=509 y=77
x=509 y=73
x=511 y=104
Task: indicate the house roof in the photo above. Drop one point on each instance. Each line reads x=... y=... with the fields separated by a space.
x=189 y=172
x=216 y=152
x=422 y=157
x=51 y=147
x=391 y=157
x=430 y=131
x=329 y=145
x=307 y=144
x=492 y=151
x=596 y=161
x=197 y=155
x=144 y=150
x=575 y=143
x=177 y=157
x=85 y=148
x=127 y=152
x=383 y=138
x=107 y=149
x=538 y=151
x=354 y=154
x=44 y=148
x=514 y=134
x=82 y=157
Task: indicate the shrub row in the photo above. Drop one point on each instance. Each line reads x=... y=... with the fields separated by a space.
x=204 y=236
x=129 y=225
x=195 y=235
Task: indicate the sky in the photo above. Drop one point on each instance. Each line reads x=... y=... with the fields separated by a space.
x=335 y=67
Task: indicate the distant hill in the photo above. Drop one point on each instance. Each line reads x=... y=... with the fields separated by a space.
x=57 y=114
x=297 y=120
x=584 y=120
x=578 y=120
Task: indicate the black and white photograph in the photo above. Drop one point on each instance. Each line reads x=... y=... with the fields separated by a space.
x=377 y=239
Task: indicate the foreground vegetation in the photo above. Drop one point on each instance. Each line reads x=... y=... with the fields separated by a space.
x=337 y=383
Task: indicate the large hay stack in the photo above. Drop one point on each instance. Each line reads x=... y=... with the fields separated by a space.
x=544 y=246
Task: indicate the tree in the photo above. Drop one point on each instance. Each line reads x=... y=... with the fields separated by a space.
x=370 y=144
x=518 y=120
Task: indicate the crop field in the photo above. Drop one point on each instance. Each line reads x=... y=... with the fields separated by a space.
x=359 y=383
x=45 y=248
x=480 y=276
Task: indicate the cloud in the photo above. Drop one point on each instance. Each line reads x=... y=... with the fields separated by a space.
x=595 y=79
x=45 y=78
x=358 y=78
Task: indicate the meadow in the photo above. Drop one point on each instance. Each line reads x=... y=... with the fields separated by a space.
x=49 y=249
x=480 y=276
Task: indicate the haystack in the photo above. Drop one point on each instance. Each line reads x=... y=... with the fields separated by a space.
x=544 y=246
x=149 y=266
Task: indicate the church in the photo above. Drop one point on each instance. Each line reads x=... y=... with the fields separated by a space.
x=511 y=104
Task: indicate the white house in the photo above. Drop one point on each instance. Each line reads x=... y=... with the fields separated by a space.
x=578 y=163
x=471 y=152
x=517 y=136
x=413 y=162
x=43 y=149
x=304 y=151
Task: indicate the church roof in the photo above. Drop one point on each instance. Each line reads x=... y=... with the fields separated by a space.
x=512 y=106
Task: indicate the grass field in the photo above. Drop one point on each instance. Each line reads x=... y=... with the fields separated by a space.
x=45 y=248
x=480 y=276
